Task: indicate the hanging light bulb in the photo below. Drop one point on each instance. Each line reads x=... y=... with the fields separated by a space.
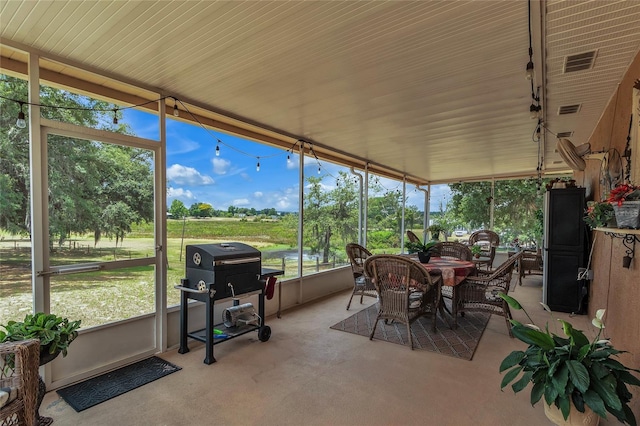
x=534 y=111
x=21 y=122
x=115 y=116
x=319 y=169
x=176 y=111
x=218 y=150
x=529 y=72
x=288 y=159
x=258 y=165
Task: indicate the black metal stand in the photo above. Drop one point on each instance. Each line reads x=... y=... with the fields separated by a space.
x=628 y=241
x=206 y=335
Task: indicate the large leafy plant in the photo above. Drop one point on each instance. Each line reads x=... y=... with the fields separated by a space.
x=415 y=247
x=569 y=369
x=55 y=333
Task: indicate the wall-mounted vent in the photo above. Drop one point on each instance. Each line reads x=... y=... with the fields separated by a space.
x=579 y=62
x=569 y=109
x=564 y=135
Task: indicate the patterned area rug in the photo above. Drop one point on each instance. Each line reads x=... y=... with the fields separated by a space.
x=92 y=392
x=459 y=343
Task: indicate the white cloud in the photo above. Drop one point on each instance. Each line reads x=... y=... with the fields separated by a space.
x=283 y=204
x=180 y=193
x=258 y=194
x=182 y=146
x=245 y=176
x=220 y=166
x=294 y=162
x=183 y=175
x=240 y=202
x=324 y=187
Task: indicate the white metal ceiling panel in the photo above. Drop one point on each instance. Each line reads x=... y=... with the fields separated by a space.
x=433 y=89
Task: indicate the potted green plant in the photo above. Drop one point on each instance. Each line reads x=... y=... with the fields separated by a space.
x=599 y=215
x=55 y=333
x=435 y=230
x=476 y=250
x=577 y=377
x=422 y=249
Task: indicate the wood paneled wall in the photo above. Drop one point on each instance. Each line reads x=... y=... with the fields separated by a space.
x=615 y=288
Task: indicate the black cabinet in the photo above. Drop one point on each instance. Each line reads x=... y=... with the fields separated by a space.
x=564 y=250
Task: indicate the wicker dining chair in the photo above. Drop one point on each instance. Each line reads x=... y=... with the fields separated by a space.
x=19 y=362
x=480 y=292
x=531 y=264
x=362 y=285
x=490 y=241
x=452 y=249
x=407 y=291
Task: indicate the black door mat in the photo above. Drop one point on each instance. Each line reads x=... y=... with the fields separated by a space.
x=98 y=389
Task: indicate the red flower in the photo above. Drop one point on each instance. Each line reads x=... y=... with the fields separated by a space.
x=620 y=193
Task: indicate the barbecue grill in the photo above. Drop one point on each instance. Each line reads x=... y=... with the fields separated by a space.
x=216 y=272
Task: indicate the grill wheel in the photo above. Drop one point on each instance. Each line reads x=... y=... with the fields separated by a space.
x=264 y=333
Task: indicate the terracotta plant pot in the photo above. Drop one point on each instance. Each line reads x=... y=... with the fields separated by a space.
x=588 y=418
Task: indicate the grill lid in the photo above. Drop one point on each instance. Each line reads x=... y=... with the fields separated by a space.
x=209 y=255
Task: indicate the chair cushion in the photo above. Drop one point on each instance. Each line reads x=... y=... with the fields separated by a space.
x=7 y=395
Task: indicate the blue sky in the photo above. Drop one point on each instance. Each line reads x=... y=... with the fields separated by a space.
x=196 y=174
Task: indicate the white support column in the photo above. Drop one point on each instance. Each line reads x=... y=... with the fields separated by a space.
x=300 y=218
x=425 y=214
x=160 y=225
x=404 y=205
x=366 y=204
x=492 y=204
x=38 y=193
x=360 y=205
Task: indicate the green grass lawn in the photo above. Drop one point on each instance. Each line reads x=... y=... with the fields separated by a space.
x=105 y=296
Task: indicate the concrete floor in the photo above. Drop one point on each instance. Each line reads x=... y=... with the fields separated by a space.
x=308 y=374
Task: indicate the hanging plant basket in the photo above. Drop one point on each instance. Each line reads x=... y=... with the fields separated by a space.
x=628 y=214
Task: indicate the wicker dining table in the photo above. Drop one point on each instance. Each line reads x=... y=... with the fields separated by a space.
x=453 y=272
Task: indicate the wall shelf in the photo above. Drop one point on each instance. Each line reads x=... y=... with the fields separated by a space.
x=619 y=231
x=628 y=237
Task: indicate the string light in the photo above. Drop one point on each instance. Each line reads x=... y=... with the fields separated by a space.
x=176 y=111
x=20 y=122
x=534 y=111
x=529 y=71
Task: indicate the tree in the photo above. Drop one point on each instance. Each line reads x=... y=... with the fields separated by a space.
x=90 y=183
x=517 y=207
x=470 y=203
x=330 y=213
x=178 y=209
